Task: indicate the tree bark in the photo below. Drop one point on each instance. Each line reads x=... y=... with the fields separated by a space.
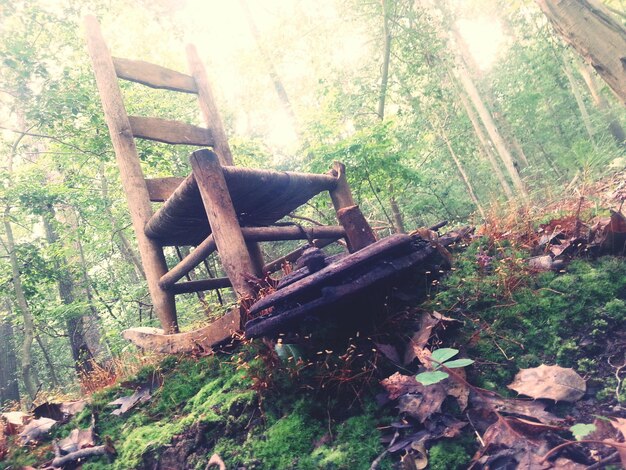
x=595 y=35
x=9 y=389
x=615 y=128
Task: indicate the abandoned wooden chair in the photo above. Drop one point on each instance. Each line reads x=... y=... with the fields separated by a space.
x=217 y=207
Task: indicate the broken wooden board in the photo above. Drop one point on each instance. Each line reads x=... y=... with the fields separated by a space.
x=374 y=266
x=203 y=339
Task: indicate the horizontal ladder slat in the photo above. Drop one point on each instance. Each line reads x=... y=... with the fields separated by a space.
x=153 y=75
x=170 y=132
x=198 y=286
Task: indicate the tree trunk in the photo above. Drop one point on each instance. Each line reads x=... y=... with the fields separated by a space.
x=29 y=322
x=396 y=215
x=81 y=353
x=9 y=389
x=595 y=35
x=43 y=345
x=490 y=126
x=461 y=170
x=484 y=146
x=281 y=92
x=615 y=128
x=579 y=100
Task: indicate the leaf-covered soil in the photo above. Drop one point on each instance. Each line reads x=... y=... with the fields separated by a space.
x=544 y=390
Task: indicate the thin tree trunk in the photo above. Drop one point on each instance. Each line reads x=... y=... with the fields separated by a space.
x=595 y=35
x=124 y=245
x=29 y=322
x=396 y=214
x=579 y=100
x=615 y=128
x=461 y=170
x=484 y=146
x=278 y=84
x=490 y=127
x=43 y=345
x=9 y=389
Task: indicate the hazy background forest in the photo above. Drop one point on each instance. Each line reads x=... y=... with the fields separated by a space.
x=446 y=110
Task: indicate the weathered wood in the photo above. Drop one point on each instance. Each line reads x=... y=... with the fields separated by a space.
x=341 y=281
x=201 y=285
x=153 y=75
x=295 y=254
x=268 y=234
x=395 y=243
x=160 y=189
x=340 y=194
x=170 y=132
x=260 y=198
x=193 y=259
x=203 y=339
x=209 y=110
x=223 y=220
x=358 y=232
x=130 y=172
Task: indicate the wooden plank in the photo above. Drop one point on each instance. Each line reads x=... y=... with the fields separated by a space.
x=208 y=108
x=160 y=189
x=170 y=132
x=203 y=339
x=131 y=175
x=219 y=208
x=189 y=262
x=201 y=285
x=153 y=75
x=267 y=234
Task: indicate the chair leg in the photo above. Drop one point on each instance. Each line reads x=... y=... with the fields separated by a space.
x=359 y=234
x=154 y=265
x=229 y=240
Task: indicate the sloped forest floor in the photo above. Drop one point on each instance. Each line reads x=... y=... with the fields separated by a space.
x=537 y=300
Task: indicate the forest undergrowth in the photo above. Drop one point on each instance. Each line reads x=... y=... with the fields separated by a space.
x=531 y=288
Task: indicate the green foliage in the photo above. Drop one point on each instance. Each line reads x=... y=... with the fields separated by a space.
x=581 y=430
x=440 y=359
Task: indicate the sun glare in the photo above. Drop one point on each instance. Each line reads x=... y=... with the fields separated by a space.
x=484 y=38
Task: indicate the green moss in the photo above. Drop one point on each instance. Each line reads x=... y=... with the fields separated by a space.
x=448 y=455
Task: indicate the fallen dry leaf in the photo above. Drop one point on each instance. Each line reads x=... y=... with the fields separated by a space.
x=35 y=430
x=399 y=384
x=78 y=439
x=553 y=382
x=458 y=389
x=620 y=425
x=491 y=401
x=389 y=351
x=422 y=404
x=140 y=396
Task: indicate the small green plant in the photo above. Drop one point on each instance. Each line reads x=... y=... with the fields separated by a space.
x=439 y=358
x=581 y=430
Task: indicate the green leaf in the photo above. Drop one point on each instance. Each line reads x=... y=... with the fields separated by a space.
x=580 y=430
x=458 y=363
x=442 y=355
x=431 y=377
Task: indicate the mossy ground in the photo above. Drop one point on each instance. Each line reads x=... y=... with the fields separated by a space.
x=259 y=411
